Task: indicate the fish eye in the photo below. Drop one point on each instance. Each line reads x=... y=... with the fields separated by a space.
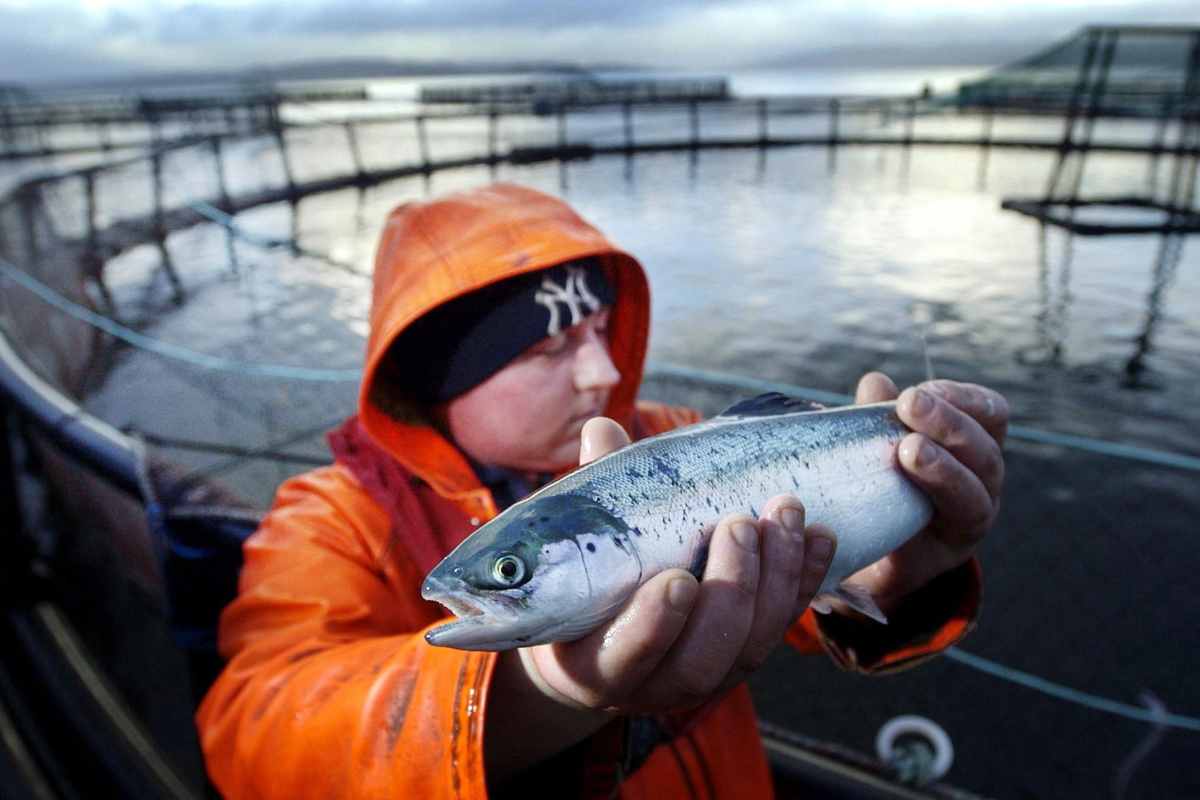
x=508 y=570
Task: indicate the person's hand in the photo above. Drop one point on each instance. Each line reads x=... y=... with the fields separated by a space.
x=954 y=455
x=678 y=641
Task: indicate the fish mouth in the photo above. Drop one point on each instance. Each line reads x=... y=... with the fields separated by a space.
x=483 y=623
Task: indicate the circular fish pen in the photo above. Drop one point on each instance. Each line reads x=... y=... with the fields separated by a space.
x=187 y=323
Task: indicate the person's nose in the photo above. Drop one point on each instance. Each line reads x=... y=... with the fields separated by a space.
x=594 y=368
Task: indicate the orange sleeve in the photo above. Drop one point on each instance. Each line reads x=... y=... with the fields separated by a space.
x=330 y=689
x=926 y=623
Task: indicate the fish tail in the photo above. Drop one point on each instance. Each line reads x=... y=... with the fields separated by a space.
x=856 y=597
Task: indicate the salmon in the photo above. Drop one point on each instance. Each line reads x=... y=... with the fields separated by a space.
x=561 y=562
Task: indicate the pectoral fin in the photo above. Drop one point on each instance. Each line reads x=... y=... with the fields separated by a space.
x=856 y=597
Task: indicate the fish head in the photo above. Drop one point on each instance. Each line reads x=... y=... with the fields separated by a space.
x=548 y=569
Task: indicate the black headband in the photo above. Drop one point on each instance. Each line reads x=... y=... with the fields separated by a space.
x=462 y=343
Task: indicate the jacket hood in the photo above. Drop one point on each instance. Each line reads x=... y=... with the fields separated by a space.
x=433 y=252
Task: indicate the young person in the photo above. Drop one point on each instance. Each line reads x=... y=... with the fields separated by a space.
x=502 y=327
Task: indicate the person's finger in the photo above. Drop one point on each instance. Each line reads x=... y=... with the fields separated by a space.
x=602 y=669
x=820 y=544
x=875 y=387
x=965 y=507
x=955 y=431
x=599 y=437
x=988 y=407
x=780 y=568
x=712 y=640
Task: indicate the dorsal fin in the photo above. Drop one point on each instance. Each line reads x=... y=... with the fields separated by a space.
x=769 y=404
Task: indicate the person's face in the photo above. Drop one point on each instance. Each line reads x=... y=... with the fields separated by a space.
x=528 y=415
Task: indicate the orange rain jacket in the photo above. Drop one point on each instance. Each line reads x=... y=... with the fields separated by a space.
x=330 y=688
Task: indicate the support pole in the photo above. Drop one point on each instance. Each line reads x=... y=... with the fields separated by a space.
x=493 y=135
x=835 y=108
x=10 y=131
x=91 y=262
x=910 y=116
x=1160 y=139
x=1095 y=102
x=156 y=190
x=355 y=153
x=1066 y=145
x=423 y=144
x=763 y=132
x=90 y=210
x=1185 y=162
x=104 y=135
x=627 y=122
x=694 y=120
x=280 y=135
x=218 y=151
x=985 y=137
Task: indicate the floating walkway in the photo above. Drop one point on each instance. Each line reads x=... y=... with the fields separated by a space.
x=547 y=95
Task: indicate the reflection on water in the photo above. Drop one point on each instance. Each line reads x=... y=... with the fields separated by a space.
x=1050 y=322
x=1052 y=318
x=1170 y=254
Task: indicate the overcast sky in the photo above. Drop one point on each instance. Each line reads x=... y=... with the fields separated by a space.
x=60 y=40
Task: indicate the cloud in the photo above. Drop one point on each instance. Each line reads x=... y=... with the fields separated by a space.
x=56 y=38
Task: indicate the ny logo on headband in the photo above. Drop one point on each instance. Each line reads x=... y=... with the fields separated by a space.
x=575 y=295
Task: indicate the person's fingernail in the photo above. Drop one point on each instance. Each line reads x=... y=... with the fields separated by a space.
x=792 y=521
x=820 y=548
x=681 y=592
x=925 y=454
x=746 y=535
x=922 y=403
x=917 y=451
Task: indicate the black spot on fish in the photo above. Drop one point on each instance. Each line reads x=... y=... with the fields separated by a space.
x=637 y=531
x=545 y=519
x=753 y=513
x=664 y=467
x=591 y=547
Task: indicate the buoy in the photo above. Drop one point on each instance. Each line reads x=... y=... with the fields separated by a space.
x=918 y=749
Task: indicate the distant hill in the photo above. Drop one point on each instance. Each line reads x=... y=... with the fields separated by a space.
x=10 y=92
x=333 y=69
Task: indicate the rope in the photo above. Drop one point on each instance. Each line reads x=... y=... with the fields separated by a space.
x=1153 y=716
x=214 y=214
x=1113 y=449
x=167 y=349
